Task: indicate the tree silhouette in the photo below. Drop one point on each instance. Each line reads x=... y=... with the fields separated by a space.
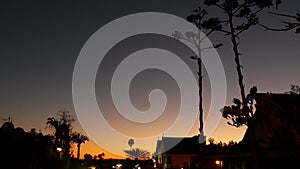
x=101 y=156
x=88 y=159
x=295 y=89
x=288 y=25
x=79 y=139
x=240 y=114
x=130 y=143
x=238 y=16
x=25 y=150
x=62 y=126
x=53 y=123
x=137 y=153
x=197 y=18
x=196 y=38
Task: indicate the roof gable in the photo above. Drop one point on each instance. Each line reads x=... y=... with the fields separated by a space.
x=178 y=145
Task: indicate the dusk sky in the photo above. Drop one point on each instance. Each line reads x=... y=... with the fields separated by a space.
x=41 y=40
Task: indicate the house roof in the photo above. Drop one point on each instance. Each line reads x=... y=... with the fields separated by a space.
x=288 y=104
x=178 y=145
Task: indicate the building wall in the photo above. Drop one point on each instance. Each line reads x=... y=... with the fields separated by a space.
x=178 y=160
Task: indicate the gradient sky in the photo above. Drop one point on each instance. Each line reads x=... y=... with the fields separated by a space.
x=41 y=40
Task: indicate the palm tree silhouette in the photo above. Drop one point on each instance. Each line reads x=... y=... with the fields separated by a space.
x=54 y=123
x=79 y=139
x=130 y=143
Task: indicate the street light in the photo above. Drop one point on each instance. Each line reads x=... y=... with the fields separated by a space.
x=59 y=152
x=59 y=149
x=219 y=163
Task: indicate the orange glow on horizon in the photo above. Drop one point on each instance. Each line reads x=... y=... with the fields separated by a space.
x=93 y=149
x=223 y=132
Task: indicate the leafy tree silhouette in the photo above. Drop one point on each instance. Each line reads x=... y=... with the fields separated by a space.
x=295 y=89
x=79 y=139
x=88 y=159
x=26 y=150
x=62 y=125
x=101 y=156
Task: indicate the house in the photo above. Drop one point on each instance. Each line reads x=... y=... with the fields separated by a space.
x=276 y=119
x=275 y=130
x=176 y=152
x=272 y=140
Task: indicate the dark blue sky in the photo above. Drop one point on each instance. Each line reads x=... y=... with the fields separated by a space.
x=40 y=42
